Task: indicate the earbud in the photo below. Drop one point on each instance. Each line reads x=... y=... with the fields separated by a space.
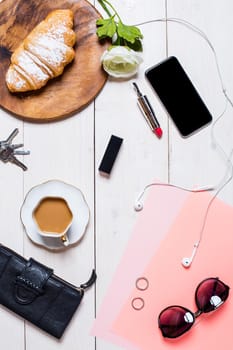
x=138 y=206
x=186 y=262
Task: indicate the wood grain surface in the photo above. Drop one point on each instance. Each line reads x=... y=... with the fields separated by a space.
x=82 y=79
x=71 y=151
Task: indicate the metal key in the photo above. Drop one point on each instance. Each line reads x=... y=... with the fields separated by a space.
x=7 y=155
x=15 y=146
x=9 y=151
x=4 y=144
x=21 y=153
x=12 y=136
x=15 y=161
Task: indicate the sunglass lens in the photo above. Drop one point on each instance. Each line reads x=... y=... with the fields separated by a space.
x=175 y=320
x=210 y=294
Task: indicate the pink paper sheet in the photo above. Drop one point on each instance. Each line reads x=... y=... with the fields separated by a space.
x=171 y=284
x=160 y=210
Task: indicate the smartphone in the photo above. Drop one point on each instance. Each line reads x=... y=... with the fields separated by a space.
x=179 y=96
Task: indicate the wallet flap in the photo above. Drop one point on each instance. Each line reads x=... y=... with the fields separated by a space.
x=31 y=282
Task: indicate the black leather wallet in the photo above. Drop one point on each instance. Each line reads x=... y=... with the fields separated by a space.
x=31 y=290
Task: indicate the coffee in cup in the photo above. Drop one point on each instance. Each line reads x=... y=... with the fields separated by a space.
x=53 y=218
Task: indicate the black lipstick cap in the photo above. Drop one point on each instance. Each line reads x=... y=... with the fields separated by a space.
x=110 y=155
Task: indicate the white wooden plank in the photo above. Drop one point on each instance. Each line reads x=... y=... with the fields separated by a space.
x=195 y=162
x=11 y=231
x=64 y=151
x=142 y=158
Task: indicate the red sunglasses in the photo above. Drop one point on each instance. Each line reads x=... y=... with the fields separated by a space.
x=176 y=320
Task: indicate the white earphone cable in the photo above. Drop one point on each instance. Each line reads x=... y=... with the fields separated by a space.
x=229 y=169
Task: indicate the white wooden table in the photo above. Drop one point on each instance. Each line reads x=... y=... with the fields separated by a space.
x=71 y=150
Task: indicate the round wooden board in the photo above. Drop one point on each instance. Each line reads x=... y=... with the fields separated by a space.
x=82 y=79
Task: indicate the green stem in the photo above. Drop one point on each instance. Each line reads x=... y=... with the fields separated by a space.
x=102 y=2
x=105 y=8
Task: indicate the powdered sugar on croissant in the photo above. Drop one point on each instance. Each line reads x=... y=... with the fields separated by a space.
x=43 y=54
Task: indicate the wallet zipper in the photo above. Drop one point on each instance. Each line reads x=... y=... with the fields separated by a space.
x=65 y=282
x=83 y=286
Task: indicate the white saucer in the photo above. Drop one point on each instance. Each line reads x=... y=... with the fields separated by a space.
x=77 y=204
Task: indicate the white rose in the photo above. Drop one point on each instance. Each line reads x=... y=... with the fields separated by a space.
x=121 y=61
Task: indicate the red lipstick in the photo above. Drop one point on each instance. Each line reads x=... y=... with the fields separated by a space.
x=148 y=112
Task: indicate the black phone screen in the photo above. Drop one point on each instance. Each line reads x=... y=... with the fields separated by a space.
x=179 y=96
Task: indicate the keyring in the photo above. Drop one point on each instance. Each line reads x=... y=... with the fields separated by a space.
x=142 y=283
x=137 y=303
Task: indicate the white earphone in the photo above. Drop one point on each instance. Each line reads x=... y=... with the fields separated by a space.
x=186 y=262
x=138 y=206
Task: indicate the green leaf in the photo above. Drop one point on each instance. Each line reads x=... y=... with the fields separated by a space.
x=106 y=27
x=129 y=33
x=136 y=46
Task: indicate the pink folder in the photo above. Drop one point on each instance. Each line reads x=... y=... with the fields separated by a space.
x=171 y=284
x=161 y=206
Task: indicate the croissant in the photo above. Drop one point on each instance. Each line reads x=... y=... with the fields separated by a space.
x=43 y=54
